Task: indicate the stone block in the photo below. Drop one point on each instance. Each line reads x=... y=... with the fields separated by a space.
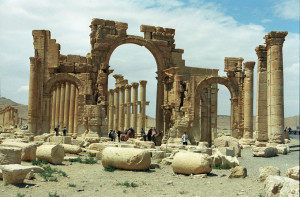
x=144 y=144
x=264 y=172
x=191 y=163
x=10 y=155
x=230 y=161
x=127 y=159
x=158 y=154
x=127 y=146
x=77 y=142
x=228 y=141
x=238 y=172
x=281 y=186
x=264 y=152
x=60 y=139
x=43 y=137
x=72 y=149
x=51 y=153
x=28 y=149
x=293 y=173
x=92 y=153
x=14 y=173
x=283 y=149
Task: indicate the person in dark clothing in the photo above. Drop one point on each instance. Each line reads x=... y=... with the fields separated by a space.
x=64 y=131
x=149 y=134
x=56 y=129
x=119 y=136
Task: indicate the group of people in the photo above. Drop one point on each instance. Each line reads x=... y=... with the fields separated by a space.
x=128 y=133
x=56 y=129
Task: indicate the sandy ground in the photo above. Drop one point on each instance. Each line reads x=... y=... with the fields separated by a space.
x=92 y=180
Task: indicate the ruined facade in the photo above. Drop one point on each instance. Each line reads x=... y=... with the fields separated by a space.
x=72 y=90
x=8 y=117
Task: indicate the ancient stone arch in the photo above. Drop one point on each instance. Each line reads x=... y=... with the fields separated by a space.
x=203 y=101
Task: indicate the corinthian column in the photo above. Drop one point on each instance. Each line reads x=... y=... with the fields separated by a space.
x=116 y=109
x=142 y=117
x=57 y=107
x=32 y=97
x=261 y=95
x=61 y=107
x=71 y=108
x=274 y=41
x=53 y=105
x=75 y=133
x=128 y=106
x=248 y=100
x=111 y=109
x=134 y=105
x=121 y=108
x=67 y=106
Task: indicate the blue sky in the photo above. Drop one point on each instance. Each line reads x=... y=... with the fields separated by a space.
x=208 y=31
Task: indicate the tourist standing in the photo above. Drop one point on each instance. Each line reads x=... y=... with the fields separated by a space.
x=64 y=131
x=184 y=138
x=119 y=136
x=56 y=130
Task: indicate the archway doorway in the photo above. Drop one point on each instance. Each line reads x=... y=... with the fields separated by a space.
x=224 y=111
x=136 y=63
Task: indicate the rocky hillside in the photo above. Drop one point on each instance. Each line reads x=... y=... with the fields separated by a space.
x=22 y=109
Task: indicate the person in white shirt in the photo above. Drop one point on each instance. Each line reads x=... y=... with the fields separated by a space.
x=184 y=138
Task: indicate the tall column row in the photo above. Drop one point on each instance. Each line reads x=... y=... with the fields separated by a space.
x=123 y=107
x=64 y=107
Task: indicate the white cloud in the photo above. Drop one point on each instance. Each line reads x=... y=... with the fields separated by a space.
x=266 y=20
x=23 y=88
x=288 y=9
x=205 y=33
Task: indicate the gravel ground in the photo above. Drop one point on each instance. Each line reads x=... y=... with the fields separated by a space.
x=92 y=180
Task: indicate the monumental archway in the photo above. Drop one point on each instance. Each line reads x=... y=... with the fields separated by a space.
x=202 y=90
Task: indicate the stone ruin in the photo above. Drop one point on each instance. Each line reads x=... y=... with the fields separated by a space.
x=72 y=90
x=8 y=118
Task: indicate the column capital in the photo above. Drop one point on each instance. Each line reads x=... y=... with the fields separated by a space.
x=261 y=51
x=128 y=87
x=116 y=90
x=111 y=91
x=143 y=82
x=135 y=84
x=275 y=38
x=122 y=88
x=249 y=66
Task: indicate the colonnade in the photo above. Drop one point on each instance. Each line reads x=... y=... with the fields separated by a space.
x=8 y=117
x=123 y=113
x=64 y=107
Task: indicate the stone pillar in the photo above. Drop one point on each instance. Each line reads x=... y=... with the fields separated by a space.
x=203 y=136
x=75 y=133
x=121 y=107
x=159 y=103
x=142 y=117
x=67 y=106
x=240 y=117
x=134 y=105
x=128 y=106
x=53 y=105
x=274 y=41
x=116 y=109
x=248 y=100
x=261 y=95
x=71 y=109
x=61 y=105
x=208 y=135
x=57 y=107
x=33 y=96
x=111 y=110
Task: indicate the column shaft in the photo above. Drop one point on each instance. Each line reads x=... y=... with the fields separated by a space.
x=116 y=109
x=261 y=95
x=111 y=110
x=134 y=105
x=53 y=106
x=274 y=41
x=61 y=105
x=142 y=117
x=57 y=107
x=71 y=108
x=248 y=100
x=75 y=133
x=128 y=106
x=121 y=108
x=67 y=106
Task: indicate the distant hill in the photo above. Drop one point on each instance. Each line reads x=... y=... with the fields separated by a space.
x=223 y=120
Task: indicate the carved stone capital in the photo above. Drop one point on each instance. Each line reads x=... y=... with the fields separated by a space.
x=249 y=66
x=275 y=38
x=135 y=84
x=143 y=82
